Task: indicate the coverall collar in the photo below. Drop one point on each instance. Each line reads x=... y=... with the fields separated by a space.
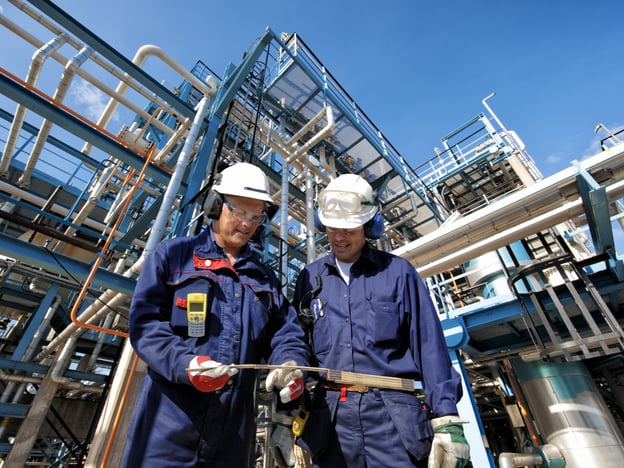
x=366 y=261
x=207 y=247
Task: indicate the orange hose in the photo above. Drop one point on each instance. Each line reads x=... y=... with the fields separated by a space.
x=100 y=256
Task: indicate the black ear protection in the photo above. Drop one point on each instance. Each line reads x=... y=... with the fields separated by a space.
x=373 y=228
x=213 y=204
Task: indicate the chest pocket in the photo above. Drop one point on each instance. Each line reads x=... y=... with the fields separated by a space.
x=191 y=294
x=322 y=337
x=384 y=322
x=262 y=312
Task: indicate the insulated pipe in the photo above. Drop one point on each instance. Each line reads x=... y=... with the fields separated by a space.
x=121 y=196
x=502 y=238
x=172 y=141
x=570 y=412
x=285 y=153
x=59 y=210
x=284 y=228
x=68 y=75
x=106 y=302
x=87 y=77
x=310 y=227
x=506 y=214
x=61 y=364
x=19 y=379
x=39 y=57
x=104 y=251
x=139 y=59
x=95 y=193
x=327 y=130
x=162 y=217
x=102 y=183
x=42 y=329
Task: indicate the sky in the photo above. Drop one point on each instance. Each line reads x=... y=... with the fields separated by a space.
x=418 y=68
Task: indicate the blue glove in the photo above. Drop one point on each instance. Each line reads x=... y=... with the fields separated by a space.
x=207 y=375
x=450 y=448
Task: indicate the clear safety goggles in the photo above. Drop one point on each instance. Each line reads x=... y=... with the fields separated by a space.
x=245 y=216
x=337 y=203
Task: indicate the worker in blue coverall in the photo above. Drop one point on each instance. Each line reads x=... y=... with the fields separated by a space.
x=201 y=304
x=367 y=311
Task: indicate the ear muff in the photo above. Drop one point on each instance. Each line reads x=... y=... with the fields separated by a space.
x=317 y=222
x=213 y=204
x=374 y=228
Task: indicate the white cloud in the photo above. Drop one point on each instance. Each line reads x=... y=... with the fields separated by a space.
x=553 y=159
x=88 y=96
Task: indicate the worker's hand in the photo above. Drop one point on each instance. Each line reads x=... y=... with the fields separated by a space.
x=290 y=380
x=207 y=375
x=450 y=448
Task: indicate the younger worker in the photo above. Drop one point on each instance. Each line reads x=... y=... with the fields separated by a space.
x=202 y=303
x=369 y=312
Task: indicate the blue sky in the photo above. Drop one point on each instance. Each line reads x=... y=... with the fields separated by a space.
x=418 y=68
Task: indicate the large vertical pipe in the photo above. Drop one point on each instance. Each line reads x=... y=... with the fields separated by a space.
x=310 y=244
x=284 y=228
x=570 y=413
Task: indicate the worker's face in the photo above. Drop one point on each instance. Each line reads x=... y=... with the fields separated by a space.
x=240 y=216
x=346 y=244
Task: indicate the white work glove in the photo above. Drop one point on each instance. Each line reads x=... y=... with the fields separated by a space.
x=450 y=448
x=207 y=375
x=290 y=380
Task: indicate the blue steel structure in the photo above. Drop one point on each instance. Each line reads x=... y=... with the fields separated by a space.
x=523 y=269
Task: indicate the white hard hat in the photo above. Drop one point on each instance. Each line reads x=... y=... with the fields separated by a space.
x=243 y=180
x=347 y=202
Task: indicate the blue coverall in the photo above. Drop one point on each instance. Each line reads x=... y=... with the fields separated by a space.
x=248 y=319
x=384 y=323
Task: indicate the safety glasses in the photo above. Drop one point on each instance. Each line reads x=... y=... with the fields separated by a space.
x=242 y=215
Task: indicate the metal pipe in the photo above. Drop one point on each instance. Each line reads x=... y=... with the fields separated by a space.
x=506 y=215
x=310 y=225
x=284 y=190
x=301 y=150
x=104 y=251
x=513 y=460
x=106 y=302
x=176 y=179
x=61 y=364
x=478 y=245
x=38 y=59
x=68 y=75
x=59 y=210
x=139 y=60
x=96 y=58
